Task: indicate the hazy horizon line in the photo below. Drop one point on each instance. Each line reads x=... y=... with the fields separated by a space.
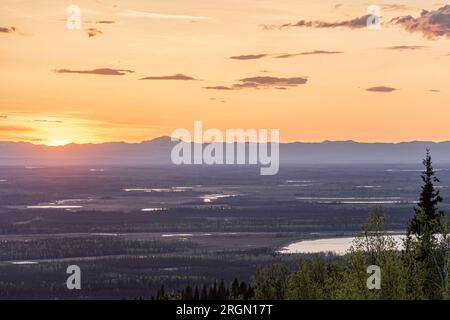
x=169 y=138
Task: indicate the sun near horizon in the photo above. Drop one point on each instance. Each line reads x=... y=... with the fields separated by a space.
x=57 y=142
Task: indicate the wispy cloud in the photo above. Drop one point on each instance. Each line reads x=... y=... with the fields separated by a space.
x=355 y=23
x=432 y=24
x=218 y=88
x=48 y=121
x=214 y=99
x=94 y=21
x=156 y=15
x=249 y=56
x=103 y=71
x=381 y=89
x=402 y=48
x=178 y=76
x=102 y=22
x=284 y=55
x=275 y=81
x=15 y=129
x=395 y=7
x=306 y=53
x=263 y=83
x=7 y=30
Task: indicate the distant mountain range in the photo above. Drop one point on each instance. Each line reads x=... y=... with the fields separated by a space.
x=157 y=152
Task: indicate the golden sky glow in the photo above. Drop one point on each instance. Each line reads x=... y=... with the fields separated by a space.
x=196 y=38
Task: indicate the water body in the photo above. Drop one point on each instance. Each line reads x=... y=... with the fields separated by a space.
x=54 y=207
x=183 y=235
x=367 y=187
x=336 y=245
x=355 y=200
x=153 y=209
x=213 y=197
x=21 y=263
x=173 y=189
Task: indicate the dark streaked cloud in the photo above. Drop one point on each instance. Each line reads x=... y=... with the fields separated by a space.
x=284 y=55
x=157 y=15
x=94 y=21
x=7 y=30
x=218 y=88
x=401 y=48
x=3 y=117
x=275 y=81
x=381 y=89
x=214 y=99
x=434 y=90
x=356 y=23
x=103 y=71
x=245 y=85
x=93 y=32
x=319 y=52
x=432 y=24
x=249 y=56
x=101 y=22
x=48 y=121
x=263 y=83
x=178 y=76
x=290 y=55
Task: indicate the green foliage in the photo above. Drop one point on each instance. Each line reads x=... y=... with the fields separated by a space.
x=374 y=246
x=314 y=279
x=271 y=282
x=403 y=275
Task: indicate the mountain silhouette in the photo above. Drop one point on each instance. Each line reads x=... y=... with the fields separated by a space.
x=157 y=152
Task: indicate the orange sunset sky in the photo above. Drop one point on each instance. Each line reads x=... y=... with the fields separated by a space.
x=139 y=69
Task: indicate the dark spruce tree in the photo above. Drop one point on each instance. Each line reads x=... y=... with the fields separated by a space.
x=204 y=294
x=196 y=294
x=427 y=221
x=423 y=230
